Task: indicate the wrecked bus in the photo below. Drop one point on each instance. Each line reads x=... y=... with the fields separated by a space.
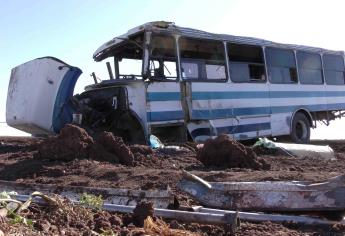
x=180 y=83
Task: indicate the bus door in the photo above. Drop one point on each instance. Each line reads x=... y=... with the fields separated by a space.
x=204 y=86
x=163 y=98
x=163 y=102
x=221 y=101
x=210 y=113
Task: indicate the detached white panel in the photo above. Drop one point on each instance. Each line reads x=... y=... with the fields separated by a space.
x=31 y=94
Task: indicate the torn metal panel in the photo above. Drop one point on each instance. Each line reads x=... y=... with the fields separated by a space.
x=160 y=199
x=277 y=196
x=299 y=150
x=38 y=95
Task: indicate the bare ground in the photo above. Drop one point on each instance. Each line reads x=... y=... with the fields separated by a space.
x=158 y=170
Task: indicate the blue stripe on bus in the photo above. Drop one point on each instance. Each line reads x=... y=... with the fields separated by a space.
x=164 y=115
x=246 y=111
x=225 y=113
x=163 y=96
x=176 y=96
x=234 y=129
x=228 y=95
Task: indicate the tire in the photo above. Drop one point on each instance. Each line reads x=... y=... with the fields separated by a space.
x=300 y=129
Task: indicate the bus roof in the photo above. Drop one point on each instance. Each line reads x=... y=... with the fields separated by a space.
x=171 y=28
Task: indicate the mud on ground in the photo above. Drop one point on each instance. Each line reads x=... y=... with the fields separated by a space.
x=154 y=169
x=225 y=152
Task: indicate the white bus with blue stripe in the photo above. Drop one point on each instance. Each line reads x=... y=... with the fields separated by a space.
x=177 y=82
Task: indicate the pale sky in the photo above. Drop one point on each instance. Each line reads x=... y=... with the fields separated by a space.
x=72 y=30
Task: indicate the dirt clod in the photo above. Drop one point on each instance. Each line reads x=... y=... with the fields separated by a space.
x=260 y=150
x=228 y=153
x=142 y=149
x=141 y=212
x=114 y=144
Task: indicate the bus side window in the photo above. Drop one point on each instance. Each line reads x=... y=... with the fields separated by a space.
x=246 y=63
x=309 y=68
x=281 y=66
x=202 y=59
x=334 y=69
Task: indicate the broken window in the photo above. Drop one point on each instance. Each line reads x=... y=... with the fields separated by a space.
x=334 y=69
x=246 y=63
x=281 y=66
x=202 y=59
x=130 y=68
x=309 y=68
x=163 y=57
x=129 y=56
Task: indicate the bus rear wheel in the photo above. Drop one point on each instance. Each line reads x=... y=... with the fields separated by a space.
x=300 y=129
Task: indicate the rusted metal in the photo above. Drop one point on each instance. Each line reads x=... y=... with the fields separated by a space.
x=160 y=199
x=278 y=196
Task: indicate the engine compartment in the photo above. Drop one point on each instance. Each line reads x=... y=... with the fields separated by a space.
x=107 y=109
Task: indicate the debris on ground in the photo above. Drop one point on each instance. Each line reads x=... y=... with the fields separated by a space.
x=266 y=146
x=155 y=172
x=66 y=218
x=159 y=227
x=269 y=196
x=155 y=142
x=121 y=196
x=226 y=152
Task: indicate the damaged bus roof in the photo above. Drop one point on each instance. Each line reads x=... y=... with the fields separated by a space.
x=104 y=51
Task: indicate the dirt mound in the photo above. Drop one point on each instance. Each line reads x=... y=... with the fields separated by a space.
x=228 y=153
x=74 y=142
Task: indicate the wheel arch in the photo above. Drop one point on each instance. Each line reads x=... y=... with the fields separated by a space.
x=306 y=113
x=137 y=118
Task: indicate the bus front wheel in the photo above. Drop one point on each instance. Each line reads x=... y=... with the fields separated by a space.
x=300 y=129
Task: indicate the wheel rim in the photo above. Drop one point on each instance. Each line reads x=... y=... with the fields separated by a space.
x=301 y=130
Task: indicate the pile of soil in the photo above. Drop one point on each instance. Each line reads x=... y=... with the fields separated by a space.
x=74 y=142
x=228 y=153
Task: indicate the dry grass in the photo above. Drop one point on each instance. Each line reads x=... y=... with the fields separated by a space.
x=159 y=227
